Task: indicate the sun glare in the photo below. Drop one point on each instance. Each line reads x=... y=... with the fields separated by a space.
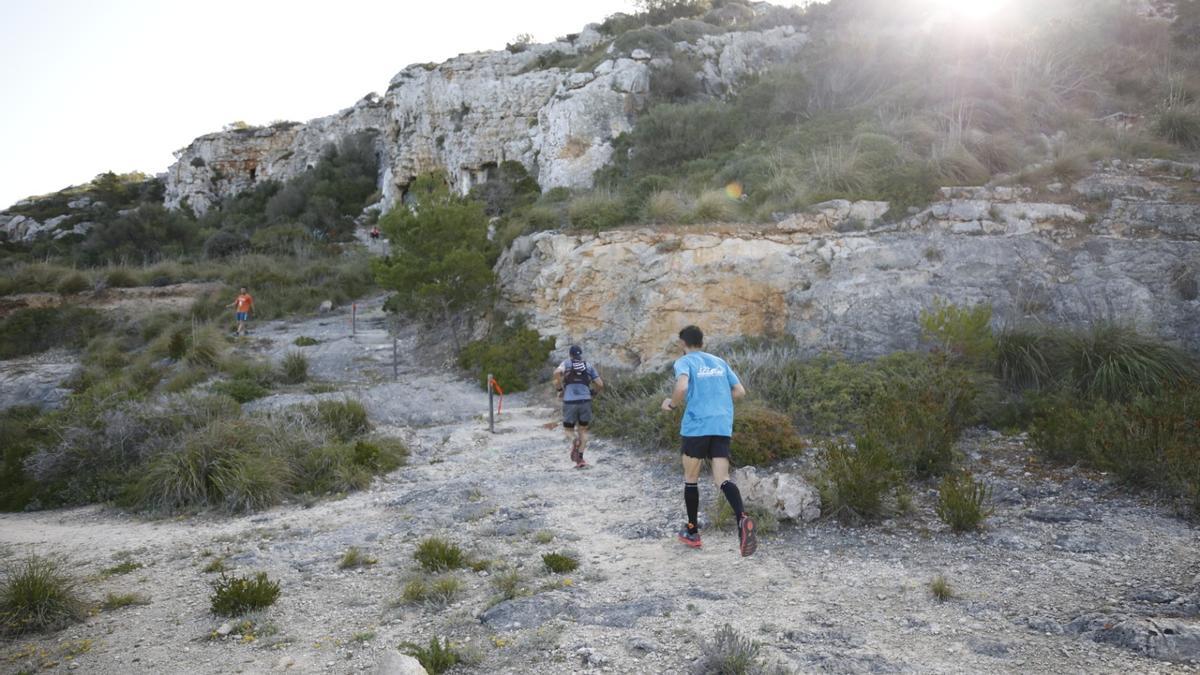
x=971 y=10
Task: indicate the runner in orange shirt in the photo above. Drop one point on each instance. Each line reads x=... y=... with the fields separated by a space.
x=243 y=305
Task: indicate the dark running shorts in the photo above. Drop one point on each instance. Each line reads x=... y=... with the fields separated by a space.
x=577 y=412
x=242 y=316
x=706 y=447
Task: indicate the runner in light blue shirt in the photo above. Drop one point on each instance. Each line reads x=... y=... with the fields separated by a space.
x=708 y=385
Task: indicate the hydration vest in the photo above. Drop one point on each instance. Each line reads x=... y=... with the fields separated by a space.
x=577 y=374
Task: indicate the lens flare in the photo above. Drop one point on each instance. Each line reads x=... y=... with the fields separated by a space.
x=734 y=190
x=971 y=10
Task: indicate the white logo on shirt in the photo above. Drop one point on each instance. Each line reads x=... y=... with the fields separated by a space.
x=710 y=372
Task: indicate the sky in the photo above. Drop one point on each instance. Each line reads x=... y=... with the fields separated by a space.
x=98 y=85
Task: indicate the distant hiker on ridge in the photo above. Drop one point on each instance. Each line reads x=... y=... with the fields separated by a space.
x=708 y=385
x=243 y=305
x=573 y=380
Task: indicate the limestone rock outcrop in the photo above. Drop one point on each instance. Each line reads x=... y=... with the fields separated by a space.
x=471 y=113
x=838 y=279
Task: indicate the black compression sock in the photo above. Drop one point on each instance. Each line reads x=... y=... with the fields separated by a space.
x=734 y=496
x=691 y=497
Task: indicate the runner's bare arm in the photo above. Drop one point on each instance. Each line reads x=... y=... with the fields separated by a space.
x=676 y=398
x=599 y=385
x=738 y=390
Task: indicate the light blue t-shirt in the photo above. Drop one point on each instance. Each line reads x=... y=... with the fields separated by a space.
x=709 y=408
x=578 y=392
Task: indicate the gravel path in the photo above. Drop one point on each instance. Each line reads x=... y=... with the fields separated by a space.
x=817 y=597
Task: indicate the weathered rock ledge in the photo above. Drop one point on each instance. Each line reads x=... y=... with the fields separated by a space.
x=837 y=279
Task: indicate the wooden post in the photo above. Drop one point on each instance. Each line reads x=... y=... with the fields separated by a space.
x=354 y=318
x=395 y=356
x=491 y=408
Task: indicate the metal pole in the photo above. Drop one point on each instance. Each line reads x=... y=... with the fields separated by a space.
x=354 y=318
x=491 y=408
x=395 y=355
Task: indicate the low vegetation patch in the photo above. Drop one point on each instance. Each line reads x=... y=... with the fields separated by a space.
x=962 y=502
x=114 y=601
x=560 y=563
x=728 y=652
x=293 y=369
x=856 y=478
x=436 y=658
x=37 y=595
x=353 y=557
x=940 y=588
x=234 y=596
x=436 y=554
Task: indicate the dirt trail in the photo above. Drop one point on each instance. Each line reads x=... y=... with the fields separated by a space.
x=819 y=598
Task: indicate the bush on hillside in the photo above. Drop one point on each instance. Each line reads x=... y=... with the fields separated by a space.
x=513 y=354
x=36 y=329
x=762 y=436
x=855 y=479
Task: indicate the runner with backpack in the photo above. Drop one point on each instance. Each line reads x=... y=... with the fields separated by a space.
x=573 y=380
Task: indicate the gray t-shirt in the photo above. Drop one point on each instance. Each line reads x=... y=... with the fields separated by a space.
x=577 y=392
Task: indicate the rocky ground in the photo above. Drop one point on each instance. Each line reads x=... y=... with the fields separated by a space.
x=1071 y=575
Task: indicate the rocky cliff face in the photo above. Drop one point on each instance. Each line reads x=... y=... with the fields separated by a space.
x=467 y=115
x=838 y=280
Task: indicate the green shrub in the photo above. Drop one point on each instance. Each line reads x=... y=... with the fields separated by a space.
x=436 y=555
x=940 y=589
x=177 y=346
x=1179 y=125
x=36 y=329
x=36 y=595
x=234 y=596
x=379 y=454
x=437 y=658
x=186 y=379
x=353 y=557
x=823 y=395
x=121 y=568
x=509 y=585
x=762 y=436
x=963 y=333
x=714 y=206
x=962 y=502
x=329 y=469
x=443 y=591
x=22 y=431
x=513 y=354
x=241 y=391
x=648 y=39
x=559 y=563
x=73 y=284
x=665 y=207
x=728 y=652
x=345 y=419
x=305 y=341
x=294 y=368
x=1149 y=443
x=920 y=411
x=1115 y=363
x=856 y=478
x=597 y=211
x=121 y=278
x=629 y=409
x=222 y=465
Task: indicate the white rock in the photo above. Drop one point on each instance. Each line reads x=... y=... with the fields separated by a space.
x=787 y=495
x=393 y=662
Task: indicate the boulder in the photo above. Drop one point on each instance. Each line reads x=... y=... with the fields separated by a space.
x=326 y=306
x=393 y=662
x=786 y=495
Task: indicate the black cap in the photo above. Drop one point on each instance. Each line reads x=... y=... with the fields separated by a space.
x=575 y=351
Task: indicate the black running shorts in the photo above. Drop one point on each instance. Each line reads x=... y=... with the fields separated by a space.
x=706 y=447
